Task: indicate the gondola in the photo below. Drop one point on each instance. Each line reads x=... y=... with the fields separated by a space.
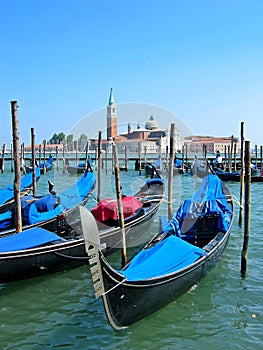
x=37 y=251
x=43 y=211
x=7 y=193
x=234 y=175
x=80 y=168
x=77 y=169
x=199 y=169
x=44 y=167
x=174 y=260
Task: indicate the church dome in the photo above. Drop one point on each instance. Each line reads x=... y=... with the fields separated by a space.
x=151 y=124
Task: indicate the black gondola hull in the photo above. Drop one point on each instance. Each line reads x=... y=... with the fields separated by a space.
x=132 y=301
x=71 y=253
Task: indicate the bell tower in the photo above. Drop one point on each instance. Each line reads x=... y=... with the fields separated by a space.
x=111 y=118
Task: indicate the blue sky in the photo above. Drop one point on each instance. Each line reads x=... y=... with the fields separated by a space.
x=200 y=60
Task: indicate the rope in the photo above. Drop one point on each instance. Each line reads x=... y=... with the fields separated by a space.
x=117 y=285
x=237 y=201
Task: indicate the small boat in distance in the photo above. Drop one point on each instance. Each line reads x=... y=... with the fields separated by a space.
x=201 y=170
x=175 y=259
x=43 y=166
x=80 y=168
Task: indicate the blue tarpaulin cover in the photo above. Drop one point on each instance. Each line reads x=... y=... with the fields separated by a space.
x=7 y=193
x=33 y=213
x=209 y=199
x=173 y=253
x=169 y=255
x=33 y=237
x=48 y=163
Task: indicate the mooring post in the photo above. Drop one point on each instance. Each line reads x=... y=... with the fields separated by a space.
x=106 y=158
x=33 y=161
x=261 y=156
x=183 y=158
x=186 y=157
x=18 y=215
x=126 y=158
x=87 y=155
x=23 y=165
x=225 y=150
x=57 y=156
x=63 y=157
x=76 y=145
x=235 y=157
x=99 y=166
x=241 y=174
x=120 y=207
x=140 y=157
x=170 y=173
x=247 y=208
x=3 y=158
x=40 y=153
x=44 y=156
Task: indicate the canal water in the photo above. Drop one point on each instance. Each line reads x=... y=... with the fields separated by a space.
x=222 y=311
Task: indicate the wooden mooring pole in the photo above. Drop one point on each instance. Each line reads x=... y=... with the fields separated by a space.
x=170 y=173
x=126 y=158
x=44 y=157
x=33 y=161
x=23 y=165
x=241 y=174
x=18 y=215
x=120 y=207
x=63 y=157
x=3 y=159
x=57 y=161
x=99 y=166
x=244 y=254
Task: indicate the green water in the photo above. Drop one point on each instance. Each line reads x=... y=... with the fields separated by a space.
x=223 y=311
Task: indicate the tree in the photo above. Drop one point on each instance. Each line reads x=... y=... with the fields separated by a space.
x=57 y=138
x=82 y=141
x=69 y=142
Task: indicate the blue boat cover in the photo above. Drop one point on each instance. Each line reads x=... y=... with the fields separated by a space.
x=47 y=207
x=31 y=238
x=6 y=220
x=170 y=255
x=209 y=199
x=173 y=253
x=178 y=163
x=154 y=181
x=7 y=193
x=48 y=163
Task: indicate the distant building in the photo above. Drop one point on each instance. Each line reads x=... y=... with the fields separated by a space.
x=111 y=118
x=149 y=138
x=196 y=143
